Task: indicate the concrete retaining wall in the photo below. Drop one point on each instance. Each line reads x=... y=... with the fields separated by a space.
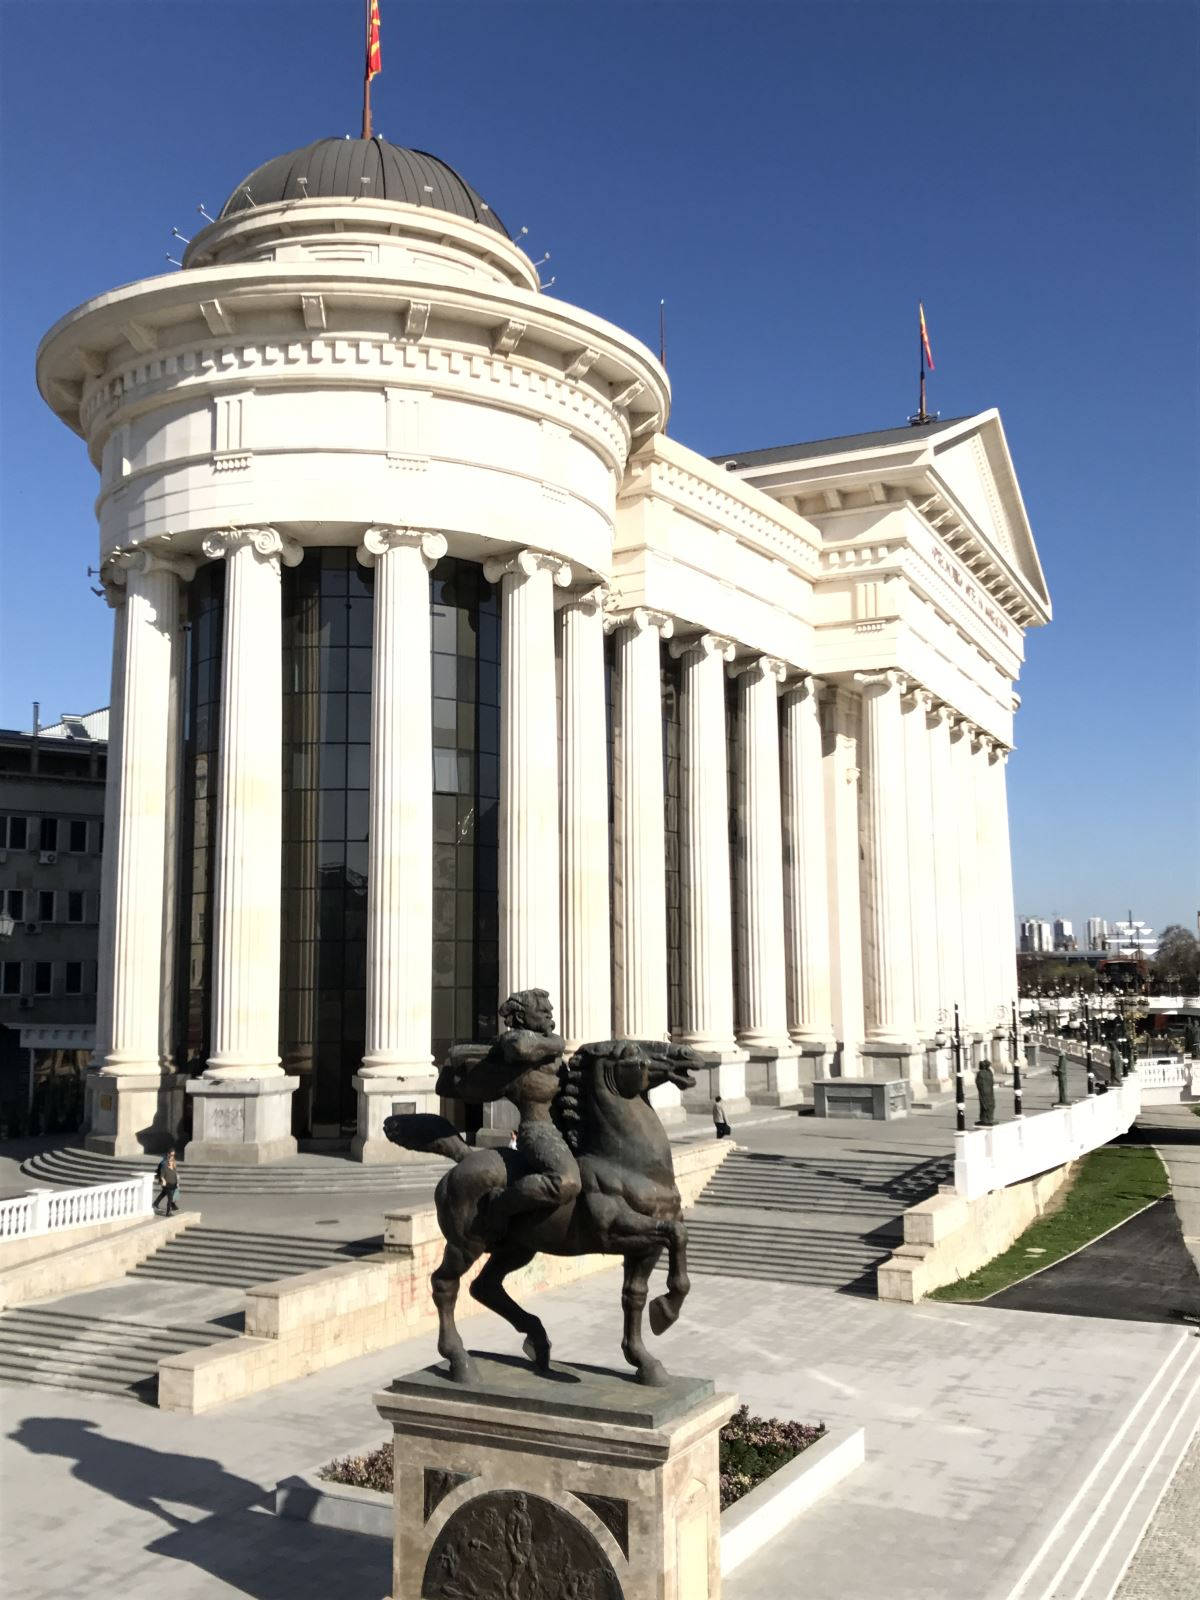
x=947 y=1238
x=112 y=1250
x=34 y=1247
x=302 y=1324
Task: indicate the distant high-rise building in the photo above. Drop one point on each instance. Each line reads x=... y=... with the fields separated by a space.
x=1037 y=935
x=1064 y=934
x=1097 y=933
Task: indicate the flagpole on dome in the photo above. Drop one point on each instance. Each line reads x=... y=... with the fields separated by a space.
x=374 y=62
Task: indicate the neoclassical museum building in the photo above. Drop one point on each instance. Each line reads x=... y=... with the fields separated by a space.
x=440 y=671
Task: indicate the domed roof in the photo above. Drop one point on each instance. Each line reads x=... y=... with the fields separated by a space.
x=336 y=168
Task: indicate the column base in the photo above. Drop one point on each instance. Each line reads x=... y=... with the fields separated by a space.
x=500 y=1122
x=621 y=1480
x=887 y=1059
x=241 y=1122
x=134 y=1114
x=718 y=1072
x=773 y=1076
x=383 y=1097
x=667 y=1100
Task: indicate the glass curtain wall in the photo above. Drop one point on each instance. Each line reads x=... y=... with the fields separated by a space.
x=197 y=821
x=327 y=625
x=672 y=681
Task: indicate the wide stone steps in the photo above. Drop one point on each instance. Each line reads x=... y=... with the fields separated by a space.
x=821 y=1259
x=226 y=1257
x=819 y=1184
x=74 y=1167
x=111 y=1355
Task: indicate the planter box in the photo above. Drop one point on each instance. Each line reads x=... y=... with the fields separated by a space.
x=745 y=1528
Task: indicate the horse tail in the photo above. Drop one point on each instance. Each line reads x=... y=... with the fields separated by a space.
x=429 y=1134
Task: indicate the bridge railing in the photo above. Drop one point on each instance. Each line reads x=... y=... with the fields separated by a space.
x=992 y=1158
x=48 y=1210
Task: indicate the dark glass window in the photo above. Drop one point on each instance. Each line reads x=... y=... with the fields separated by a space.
x=12 y=977
x=14 y=904
x=327 y=625
x=672 y=774
x=18 y=833
x=77 y=835
x=45 y=905
x=465 y=672
x=737 y=843
x=75 y=905
x=74 y=980
x=48 y=834
x=198 y=818
x=43 y=973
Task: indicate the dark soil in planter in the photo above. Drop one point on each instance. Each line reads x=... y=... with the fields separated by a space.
x=752 y=1448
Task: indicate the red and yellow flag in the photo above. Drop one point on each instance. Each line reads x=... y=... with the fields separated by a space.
x=374 y=56
x=925 y=336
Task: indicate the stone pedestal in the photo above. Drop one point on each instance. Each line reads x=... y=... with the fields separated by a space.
x=380 y=1098
x=773 y=1079
x=717 y=1072
x=507 y=1487
x=241 y=1122
x=133 y=1114
x=887 y=1059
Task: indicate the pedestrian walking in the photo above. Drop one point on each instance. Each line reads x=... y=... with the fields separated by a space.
x=168 y=1177
x=720 y=1120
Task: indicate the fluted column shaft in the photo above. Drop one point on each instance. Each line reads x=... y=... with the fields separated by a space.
x=887 y=961
x=639 y=848
x=245 y=962
x=842 y=716
x=805 y=872
x=400 y=859
x=707 y=999
x=943 y=792
x=586 y=921
x=529 y=852
x=135 y=918
x=761 y=960
x=921 y=879
x=986 y=888
x=972 y=1000
x=1005 y=908
x=114 y=586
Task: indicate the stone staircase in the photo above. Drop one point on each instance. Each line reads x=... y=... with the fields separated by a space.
x=73 y=1167
x=67 y=1349
x=238 y=1260
x=825 y=1221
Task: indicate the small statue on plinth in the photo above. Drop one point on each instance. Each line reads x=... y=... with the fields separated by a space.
x=1060 y=1072
x=985 y=1087
x=591 y=1173
x=1114 y=1063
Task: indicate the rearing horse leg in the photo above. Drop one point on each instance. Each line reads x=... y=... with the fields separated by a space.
x=638 y=1267
x=666 y=1308
x=445 y=1282
x=488 y=1288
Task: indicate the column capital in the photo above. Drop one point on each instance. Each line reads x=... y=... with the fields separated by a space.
x=522 y=564
x=803 y=685
x=268 y=544
x=142 y=561
x=379 y=540
x=703 y=644
x=638 y=620
x=920 y=698
x=881 y=682
x=589 y=600
x=938 y=713
x=755 y=668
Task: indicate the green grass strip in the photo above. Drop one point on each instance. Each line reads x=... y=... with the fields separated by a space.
x=1110 y=1185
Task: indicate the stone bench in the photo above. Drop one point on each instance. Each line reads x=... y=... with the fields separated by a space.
x=880 y=1100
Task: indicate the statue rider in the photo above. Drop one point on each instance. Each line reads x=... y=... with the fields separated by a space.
x=521 y=1066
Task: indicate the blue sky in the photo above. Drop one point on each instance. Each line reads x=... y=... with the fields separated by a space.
x=792 y=178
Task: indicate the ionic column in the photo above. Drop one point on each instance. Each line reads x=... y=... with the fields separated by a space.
x=135 y=914
x=113 y=578
x=1005 y=908
x=972 y=1002
x=529 y=853
x=946 y=886
x=586 y=923
x=805 y=872
x=922 y=888
x=841 y=716
x=707 y=998
x=761 y=965
x=400 y=849
x=639 y=848
x=887 y=960
x=245 y=961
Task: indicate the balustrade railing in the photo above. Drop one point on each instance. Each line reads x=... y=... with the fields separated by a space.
x=49 y=1210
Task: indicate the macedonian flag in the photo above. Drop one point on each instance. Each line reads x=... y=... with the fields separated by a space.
x=924 y=335
x=374 y=57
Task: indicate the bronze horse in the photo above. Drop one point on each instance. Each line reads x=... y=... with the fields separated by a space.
x=628 y=1204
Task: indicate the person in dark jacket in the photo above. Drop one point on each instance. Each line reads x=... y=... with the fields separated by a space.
x=168 y=1176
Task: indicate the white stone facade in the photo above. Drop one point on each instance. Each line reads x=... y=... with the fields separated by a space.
x=388 y=378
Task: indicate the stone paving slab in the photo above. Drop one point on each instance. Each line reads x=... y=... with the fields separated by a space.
x=1166 y=1565
x=979 y=1426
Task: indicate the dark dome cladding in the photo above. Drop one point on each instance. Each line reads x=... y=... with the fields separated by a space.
x=335 y=168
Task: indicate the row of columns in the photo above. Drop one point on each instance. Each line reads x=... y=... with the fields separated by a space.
x=925 y=858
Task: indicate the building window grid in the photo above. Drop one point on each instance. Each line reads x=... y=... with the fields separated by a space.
x=45 y=905
x=43 y=977
x=14 y=832
x=14 y=904
x=73 y=979
x=671 y=688
x=12 y=977
x=737 y=845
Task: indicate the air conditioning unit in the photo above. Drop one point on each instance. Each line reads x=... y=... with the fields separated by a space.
x=47 y=857
x=33 y=927
x=25 y=1003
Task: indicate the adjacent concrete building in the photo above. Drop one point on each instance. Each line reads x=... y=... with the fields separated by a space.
x=472 y=679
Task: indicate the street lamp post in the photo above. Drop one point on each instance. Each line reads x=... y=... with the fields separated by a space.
x=1087 y=1045
x=960 y=1094
x=1014 y=1045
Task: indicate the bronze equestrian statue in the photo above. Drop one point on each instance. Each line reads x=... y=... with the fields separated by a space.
x=591 y=1174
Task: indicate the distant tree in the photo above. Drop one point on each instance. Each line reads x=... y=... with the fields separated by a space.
x=1177 y=964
